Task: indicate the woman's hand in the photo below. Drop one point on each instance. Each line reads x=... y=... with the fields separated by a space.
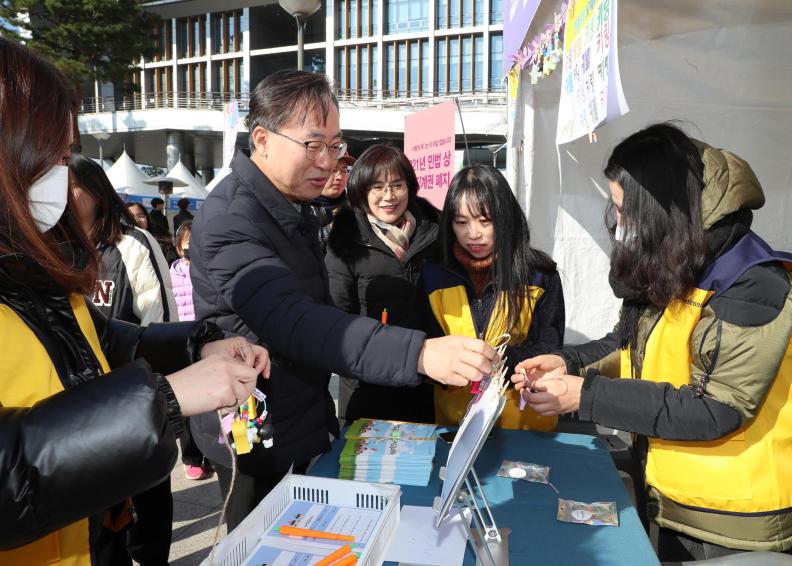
x=456 y=360
x=252 y=355
x=216 y=382
x=532 y=369
x=553 y=394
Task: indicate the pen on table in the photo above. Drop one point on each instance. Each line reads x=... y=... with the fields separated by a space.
x=330 y=558
x=384 y=316
x=310 y=533
x=348 y=560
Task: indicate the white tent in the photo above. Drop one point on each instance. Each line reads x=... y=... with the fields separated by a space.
x=722 y=67
x=127 y=178
x=219 y=177
x=194 y=188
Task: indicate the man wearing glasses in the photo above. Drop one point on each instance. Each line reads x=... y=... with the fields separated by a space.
x=257 y=271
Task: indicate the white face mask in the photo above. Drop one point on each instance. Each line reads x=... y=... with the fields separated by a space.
x=622 y=236
x=48 y=197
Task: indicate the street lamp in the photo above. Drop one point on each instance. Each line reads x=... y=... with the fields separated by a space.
x=301 y=10
x=101 y=137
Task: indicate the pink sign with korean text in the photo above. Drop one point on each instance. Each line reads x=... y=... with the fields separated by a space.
x=429 y=145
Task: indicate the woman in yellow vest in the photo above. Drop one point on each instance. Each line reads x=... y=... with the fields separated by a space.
x=492 y=285
x=702 y=345
x=76 y=437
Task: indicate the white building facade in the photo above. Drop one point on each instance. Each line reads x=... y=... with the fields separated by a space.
x=385 y=58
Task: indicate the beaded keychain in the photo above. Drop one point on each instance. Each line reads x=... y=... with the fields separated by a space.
x=250 y=425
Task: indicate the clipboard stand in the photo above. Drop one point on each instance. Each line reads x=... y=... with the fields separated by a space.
x=461 y=484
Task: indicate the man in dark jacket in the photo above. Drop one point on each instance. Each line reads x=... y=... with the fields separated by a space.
x=183 y=215
x=257 y=271
x=159 y=224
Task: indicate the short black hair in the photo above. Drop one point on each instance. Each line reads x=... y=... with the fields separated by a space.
x=285 y=95
x=156 y=201
x=184 y=203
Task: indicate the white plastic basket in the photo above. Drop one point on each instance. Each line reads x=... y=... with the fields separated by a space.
x=234 y=549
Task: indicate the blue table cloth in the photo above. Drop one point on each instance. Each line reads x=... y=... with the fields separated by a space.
x=581 y=470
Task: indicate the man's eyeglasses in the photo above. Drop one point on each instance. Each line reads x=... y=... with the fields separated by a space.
x=398 y=188
x=315 y=149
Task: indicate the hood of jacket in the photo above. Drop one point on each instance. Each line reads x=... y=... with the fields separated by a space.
x=730 y=185
x=351 y=229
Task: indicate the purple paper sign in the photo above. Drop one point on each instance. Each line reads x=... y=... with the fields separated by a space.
x=517 y=17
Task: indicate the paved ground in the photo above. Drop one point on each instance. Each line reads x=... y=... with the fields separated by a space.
x=196 y=512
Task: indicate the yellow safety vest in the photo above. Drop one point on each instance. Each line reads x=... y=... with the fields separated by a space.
x=452 y=311
x=742 y=472
x=27 y=375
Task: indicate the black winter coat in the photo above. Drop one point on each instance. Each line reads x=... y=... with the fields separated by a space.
x=78 y=452
x=258 y=271
x=367 y=277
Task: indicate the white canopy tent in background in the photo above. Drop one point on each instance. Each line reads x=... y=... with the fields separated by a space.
x=721 y=67
x=219 y=176
x=127 y=178
x=194 y=188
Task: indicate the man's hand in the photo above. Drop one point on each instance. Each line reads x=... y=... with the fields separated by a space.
x=554 y=394
x=456 y=360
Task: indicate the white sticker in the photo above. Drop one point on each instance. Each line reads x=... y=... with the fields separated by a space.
x=517 y=473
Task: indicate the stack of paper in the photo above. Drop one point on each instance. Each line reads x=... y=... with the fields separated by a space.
x=388 y=452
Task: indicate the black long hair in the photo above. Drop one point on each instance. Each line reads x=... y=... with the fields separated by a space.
x=111 y=212
x=661 y=172
x=487 y=193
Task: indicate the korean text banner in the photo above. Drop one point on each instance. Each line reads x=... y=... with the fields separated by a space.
x=591 y=91
x=429 y=145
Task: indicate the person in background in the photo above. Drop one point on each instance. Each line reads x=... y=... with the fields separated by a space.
x=158 y=223
x=90 y=408
x=499 y=283
x=375 y=255
x=257 y=270
x=702 y=346
x=140 y=215
x=196 y=467
x=333 y=196
x=184 y=215
x=133 y=285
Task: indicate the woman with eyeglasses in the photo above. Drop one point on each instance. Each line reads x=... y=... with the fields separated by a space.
x=491 y=284
x=140 y=214
x=376 y=250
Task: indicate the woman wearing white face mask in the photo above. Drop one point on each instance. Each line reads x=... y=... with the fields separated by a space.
x=702 y=344
x=80 y=406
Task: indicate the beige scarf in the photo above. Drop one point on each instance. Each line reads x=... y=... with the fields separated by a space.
x=396 y=237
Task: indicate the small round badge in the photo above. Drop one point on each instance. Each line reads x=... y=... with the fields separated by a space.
x=581 y=515
x=517 y=473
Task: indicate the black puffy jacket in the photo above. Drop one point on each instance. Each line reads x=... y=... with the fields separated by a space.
x=258 y=272
x=78 y=452
x=366 y=277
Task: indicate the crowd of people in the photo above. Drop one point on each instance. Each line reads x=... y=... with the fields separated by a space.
x=305 y=261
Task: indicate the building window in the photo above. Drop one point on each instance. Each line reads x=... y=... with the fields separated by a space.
x=407 y=68
x=496 y=62
x=162 y=41
x=356 y=18
x=227 y=77
x=182 y=34
x=191 y=36
x=356 y=71
x=226 y=32
x=459 y=13
x=406 y=15
x=460 y=64
x=159 y=87
x=496 y=11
